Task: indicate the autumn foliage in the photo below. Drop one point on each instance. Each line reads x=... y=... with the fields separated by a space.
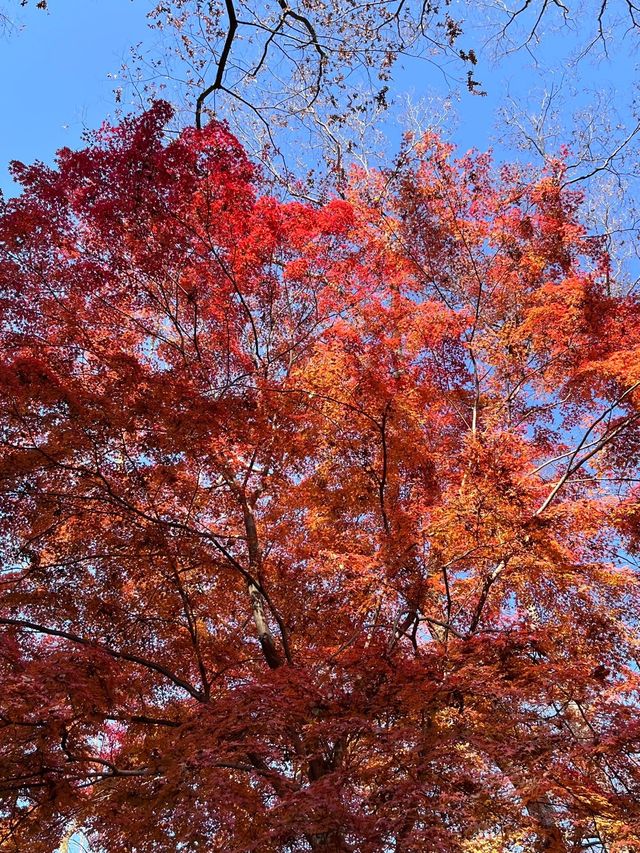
x=318 y=523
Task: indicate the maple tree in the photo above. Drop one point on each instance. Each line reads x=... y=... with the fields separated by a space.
x=318 y=522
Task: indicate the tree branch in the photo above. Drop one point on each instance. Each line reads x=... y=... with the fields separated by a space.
x=114 y=653
x=222 y=63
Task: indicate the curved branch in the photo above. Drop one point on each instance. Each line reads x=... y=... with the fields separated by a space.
x=118 y=654
x=222 y=64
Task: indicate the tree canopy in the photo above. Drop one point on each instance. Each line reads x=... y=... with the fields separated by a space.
x=318 y=522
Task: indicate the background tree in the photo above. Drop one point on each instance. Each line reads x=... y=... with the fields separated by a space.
x=318 y=523
x=305 y=84
x=601 y=141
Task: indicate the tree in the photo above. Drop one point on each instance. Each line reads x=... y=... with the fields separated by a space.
x=318 y=523
x=310 y=78
x=306 y=85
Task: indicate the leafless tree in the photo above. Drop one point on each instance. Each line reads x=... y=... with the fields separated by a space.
x=600 y=142
x=321 y=69
x=300 y=81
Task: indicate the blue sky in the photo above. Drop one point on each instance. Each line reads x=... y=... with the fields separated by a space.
x=54 y=70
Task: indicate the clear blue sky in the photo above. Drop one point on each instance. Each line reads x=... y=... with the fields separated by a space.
x=54 y=73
